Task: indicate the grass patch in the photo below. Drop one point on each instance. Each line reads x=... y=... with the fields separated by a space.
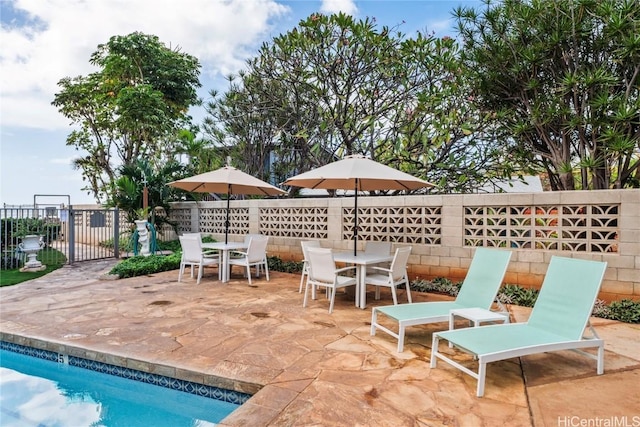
x=52 y=258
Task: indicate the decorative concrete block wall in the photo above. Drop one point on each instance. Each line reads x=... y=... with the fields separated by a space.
x=443 y=230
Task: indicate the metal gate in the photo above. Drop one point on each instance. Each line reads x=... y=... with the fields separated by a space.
x=67 y=235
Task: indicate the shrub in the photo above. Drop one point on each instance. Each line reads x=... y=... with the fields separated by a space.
x=625 y=311
x=276 y=264
x=141 y=265
x=438 y=285
x=171 y=245
x=125 y=244
x=513 y=294
x=601 y=309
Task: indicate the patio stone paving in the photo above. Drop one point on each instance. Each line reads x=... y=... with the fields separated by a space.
x=305 y=366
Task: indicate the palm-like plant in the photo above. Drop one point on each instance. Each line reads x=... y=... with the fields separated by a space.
x=129 y=189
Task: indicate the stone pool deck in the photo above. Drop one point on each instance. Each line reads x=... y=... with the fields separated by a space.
x=305 y=366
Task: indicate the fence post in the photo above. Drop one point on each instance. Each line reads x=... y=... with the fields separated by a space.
x=116 y=233
x=72 y=235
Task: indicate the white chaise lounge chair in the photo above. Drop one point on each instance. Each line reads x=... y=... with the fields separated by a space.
x=479 y=289
x=557 y=322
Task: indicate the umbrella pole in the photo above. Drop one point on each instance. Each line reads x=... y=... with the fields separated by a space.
x=226 y=223
x=355 y=228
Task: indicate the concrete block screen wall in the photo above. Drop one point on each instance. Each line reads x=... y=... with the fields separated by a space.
x=443 y=230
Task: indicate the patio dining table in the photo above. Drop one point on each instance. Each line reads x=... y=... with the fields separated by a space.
x=361 y=261
x=225 y=249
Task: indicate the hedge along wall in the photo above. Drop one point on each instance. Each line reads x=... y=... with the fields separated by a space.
x=443 y=230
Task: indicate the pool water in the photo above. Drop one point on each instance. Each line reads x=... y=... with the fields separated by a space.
x=38 y=392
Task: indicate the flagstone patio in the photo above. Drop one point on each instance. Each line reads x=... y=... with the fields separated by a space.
x=304 y=366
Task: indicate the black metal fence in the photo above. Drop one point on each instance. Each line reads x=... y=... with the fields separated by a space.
x=67 y=235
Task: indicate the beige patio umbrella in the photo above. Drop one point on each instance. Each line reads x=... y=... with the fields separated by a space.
x=358 y=173
x=226 y=180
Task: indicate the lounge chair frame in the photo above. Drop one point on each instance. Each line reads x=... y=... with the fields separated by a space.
x=479 y=289
x=554 y=324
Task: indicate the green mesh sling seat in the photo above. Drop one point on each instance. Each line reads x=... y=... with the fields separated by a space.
x=479 y=289
x=558 y=321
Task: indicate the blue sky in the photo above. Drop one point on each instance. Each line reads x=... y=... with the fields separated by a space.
x=46 y=40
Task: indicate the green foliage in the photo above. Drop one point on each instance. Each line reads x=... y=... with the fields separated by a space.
x=141 y=265
x=508 y=294
x=562 y=79
x=134 y=107
x=335 y=85
x=124 y=242
x=443 y=132
x=276 y=264
x=624 y=310
x=202 y=155
x=174 y=245
x=128 y=190
x=439 y=285
x=514 y=294
x=13 y=229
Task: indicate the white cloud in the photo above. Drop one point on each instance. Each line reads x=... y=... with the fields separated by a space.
x=62 y=160
x=334 y=6
x=439 y=27
x=60 y=36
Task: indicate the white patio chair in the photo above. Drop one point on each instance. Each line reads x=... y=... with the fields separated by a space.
x=323 y=272
x=378 y=248
x=305 y=262
x=393 y=276
x=255 y=256
x=193 y=255
x=247 y=239
x=206 y=251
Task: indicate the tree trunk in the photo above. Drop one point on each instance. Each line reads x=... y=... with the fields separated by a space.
x=600 y=179
x=567 y=181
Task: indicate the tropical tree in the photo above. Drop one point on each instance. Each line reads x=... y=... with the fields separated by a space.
x=240 y=125
x=197 y=154
x=133 y=107
x=439 y=130
x=128 y=190
x=563 y=77
x=335 y=86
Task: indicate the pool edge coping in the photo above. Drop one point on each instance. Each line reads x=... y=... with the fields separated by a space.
x=245 y=390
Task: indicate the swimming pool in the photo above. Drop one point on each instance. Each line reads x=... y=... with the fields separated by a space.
x=39 y=392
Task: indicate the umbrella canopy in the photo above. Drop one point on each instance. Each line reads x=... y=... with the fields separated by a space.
x=357 y=173
x=226 y=180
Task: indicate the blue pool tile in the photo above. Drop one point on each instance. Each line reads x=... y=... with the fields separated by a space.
x=133 y=374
